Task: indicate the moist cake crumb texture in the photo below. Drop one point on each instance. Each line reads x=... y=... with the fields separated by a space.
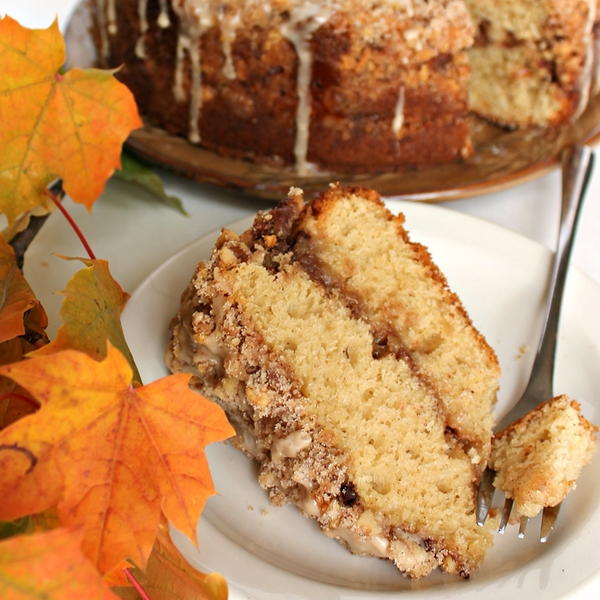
x=351 y=373
x=539 y=458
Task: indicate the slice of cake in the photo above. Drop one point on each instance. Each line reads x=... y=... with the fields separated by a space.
x=532 y=59
x=538 y=458
x=351 y=373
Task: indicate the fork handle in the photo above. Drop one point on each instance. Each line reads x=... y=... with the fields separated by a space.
x=577 y=166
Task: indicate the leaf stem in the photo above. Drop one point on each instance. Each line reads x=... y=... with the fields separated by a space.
x=72 y=223
x=136 y=584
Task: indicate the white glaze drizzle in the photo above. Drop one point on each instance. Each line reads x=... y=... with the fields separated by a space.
x=289 y=446
x=228 y=25
x=163 y=17
x=140 y=46
x=111 y=17
x=372 y=545
x=310 y=506
x=398 y=120
x=183 y=45
x=304 y=20
x=196 y=87
x=189 y=39
x=104 y=41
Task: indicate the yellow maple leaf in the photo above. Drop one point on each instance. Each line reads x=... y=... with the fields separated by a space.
x=68 y=125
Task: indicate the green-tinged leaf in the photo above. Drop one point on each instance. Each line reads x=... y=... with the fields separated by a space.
x=91 y=314
x=134 y=171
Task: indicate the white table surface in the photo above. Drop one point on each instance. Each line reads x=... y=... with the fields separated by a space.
x=135 y=234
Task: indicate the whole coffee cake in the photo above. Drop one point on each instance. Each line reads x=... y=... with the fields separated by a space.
x=349 y=85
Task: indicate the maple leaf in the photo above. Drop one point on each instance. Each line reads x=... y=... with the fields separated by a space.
x=48 y=566
x=70 y=126
x=124 y=453
x=91 y=314
x=22 y=329
x=16 y=297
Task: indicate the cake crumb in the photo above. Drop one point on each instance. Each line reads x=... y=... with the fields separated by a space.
x=250 y=507
x=523 y=350
x=538 y=458
x=263 y=512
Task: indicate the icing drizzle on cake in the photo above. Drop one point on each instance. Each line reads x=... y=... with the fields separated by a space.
x=196 y=18
x=163 y=18
x=304 y=21
x=140 y=47
x=111 y=14
x=398 y=120
x=229 y=22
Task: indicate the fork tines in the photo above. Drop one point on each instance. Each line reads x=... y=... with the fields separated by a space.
x=485 y=494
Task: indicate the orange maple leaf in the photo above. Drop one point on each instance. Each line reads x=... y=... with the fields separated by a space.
x=124 y=453
x=53 y=125
x=48 y=566
x=16 y=297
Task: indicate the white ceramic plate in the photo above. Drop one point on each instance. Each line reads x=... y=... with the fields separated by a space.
x=274 y=553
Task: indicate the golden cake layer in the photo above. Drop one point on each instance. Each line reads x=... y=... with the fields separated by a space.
x=352 y=374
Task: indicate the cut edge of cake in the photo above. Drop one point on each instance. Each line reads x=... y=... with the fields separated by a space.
x=533 y=64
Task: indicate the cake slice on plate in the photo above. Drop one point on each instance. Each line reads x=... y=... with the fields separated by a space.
x=351 y=373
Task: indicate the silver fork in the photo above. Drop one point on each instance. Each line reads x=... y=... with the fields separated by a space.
x=577 y=165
